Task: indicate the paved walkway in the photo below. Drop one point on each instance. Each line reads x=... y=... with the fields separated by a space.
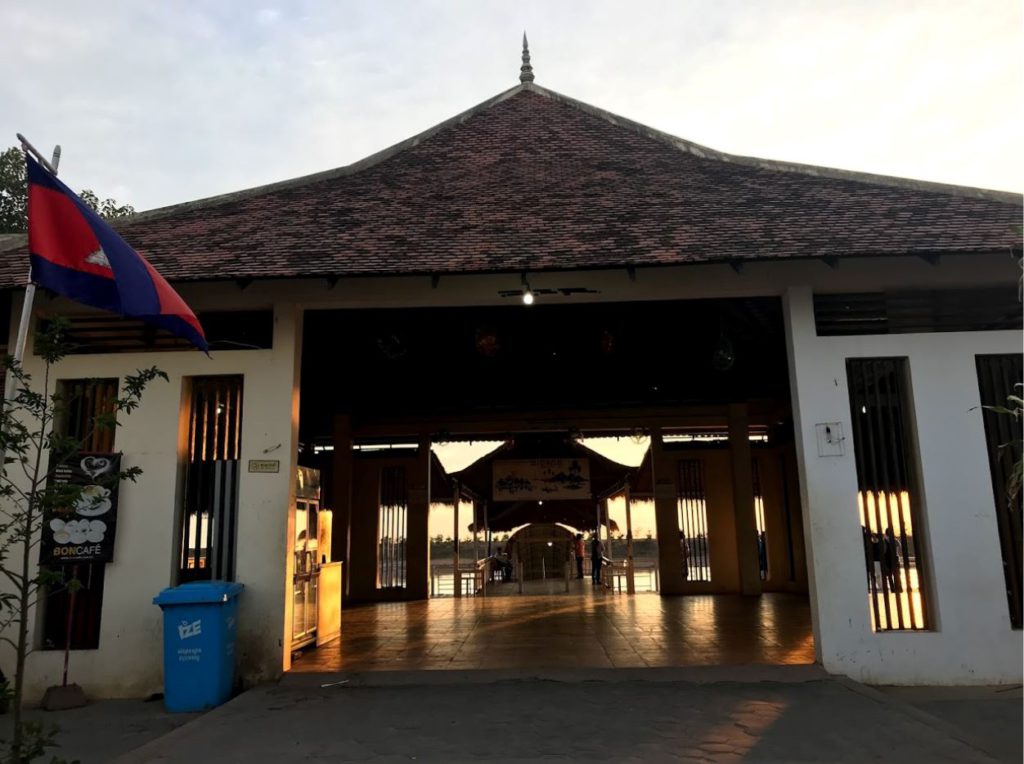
x=621 y=720
x=583 y=629
x=104 y=730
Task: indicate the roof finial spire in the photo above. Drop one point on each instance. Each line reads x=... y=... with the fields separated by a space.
x=526 y=71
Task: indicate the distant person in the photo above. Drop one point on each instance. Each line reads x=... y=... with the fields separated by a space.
x=596 y=558
x=762 y=555
x=891 y=560
x=580 y=551
x=684 y=549
x=876 y=561
x=867 y=552
x=504 y=566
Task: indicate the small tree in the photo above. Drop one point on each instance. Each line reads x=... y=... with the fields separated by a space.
x=28 y=495
x=13 y=195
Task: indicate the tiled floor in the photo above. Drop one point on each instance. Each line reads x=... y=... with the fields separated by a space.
x=582 y=629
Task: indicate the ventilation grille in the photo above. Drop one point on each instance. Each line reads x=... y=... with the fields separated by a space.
x=225 y=330
x=953 y=310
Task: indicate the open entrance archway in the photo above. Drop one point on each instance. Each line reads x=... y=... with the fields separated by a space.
x=707 y=509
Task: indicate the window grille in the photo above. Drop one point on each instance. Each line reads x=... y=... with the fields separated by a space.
x=392 y=519
x=886 y=496
x=83 y=401
x=210 y=512
x=693 y=520
x=998 y=377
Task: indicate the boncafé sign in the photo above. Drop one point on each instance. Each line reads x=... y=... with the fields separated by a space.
x=83 y=532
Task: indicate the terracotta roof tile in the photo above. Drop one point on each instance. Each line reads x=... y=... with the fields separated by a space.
x=535 y=181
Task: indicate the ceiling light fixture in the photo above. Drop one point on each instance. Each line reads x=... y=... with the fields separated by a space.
x=527 y=292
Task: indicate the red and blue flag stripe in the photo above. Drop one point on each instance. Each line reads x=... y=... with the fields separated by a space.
x=76 y=254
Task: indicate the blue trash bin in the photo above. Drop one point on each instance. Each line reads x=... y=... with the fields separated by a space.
x=200 y=624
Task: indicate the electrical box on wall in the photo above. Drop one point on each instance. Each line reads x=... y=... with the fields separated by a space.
x=830 y=438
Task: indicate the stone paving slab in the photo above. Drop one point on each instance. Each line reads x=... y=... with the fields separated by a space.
x=104 y=730
x=991 y=718
x=822 y=720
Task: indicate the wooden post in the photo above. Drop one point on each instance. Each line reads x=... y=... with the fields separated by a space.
x=743 y=499
x=417 y=543
x=476 y=549
x=630 y=580
x=608 y=544
x=456 y=573
x=666 y=515
x=487 y=529
x=341 y=542
x=487 y=564
x=608 y=529
x=476 y=514
x=70 y=621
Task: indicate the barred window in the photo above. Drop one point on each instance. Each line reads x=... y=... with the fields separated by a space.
x=693 y=521
x=210 y=514
x=999 y=376
x=886 y=498
x=392 y=524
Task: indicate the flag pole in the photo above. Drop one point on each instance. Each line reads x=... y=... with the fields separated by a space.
x=30 y=288
x=19 y=352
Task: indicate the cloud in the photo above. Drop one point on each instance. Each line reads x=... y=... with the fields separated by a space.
x=268 y=16
x=160 y=103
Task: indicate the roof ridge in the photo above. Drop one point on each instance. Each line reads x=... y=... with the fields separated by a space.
x=705 y=152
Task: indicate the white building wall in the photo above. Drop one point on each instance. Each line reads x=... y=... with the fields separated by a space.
x=128 y=662
x=971 y=640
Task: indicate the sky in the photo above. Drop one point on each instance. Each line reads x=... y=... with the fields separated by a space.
x=156 y=103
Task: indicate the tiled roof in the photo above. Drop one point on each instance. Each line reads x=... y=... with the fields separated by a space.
x=531 y=181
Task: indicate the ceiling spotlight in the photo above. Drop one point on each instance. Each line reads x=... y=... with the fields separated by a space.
x=527 y=292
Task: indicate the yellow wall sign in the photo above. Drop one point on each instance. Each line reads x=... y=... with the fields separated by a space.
x=264 y=465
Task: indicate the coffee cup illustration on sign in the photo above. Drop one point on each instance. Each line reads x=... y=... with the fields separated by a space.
x=94 y=500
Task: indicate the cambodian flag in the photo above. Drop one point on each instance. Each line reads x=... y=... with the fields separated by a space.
x=76 y=254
